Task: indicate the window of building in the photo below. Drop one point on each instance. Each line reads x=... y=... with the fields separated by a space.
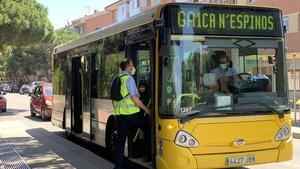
x=137 y=3
x=234 y=1
x=222 y=1
x=185 y=1
x=252 y=1
x=122 y=10
x=294 y=76
x=286 y=23
x=157 y=1
x=132 y=4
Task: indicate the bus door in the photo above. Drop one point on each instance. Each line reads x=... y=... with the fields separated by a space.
x=81 y=96
x=76 y=100
x=140 y=53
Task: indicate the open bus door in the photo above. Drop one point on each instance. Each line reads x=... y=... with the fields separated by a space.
x=142 y=53
x=76 y=99
x=81 y=92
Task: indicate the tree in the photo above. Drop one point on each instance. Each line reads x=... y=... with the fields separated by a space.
x=27 y=60
x=23 y=21
x=61 y=37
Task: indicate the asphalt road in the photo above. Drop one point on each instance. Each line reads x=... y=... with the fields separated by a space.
x=17 y=120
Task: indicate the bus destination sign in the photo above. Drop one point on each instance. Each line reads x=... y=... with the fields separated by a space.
x=214 y=20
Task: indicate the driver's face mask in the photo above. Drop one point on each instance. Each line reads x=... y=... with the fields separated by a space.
x=223 y=66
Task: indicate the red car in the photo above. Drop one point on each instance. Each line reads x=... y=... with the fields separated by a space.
x=41 y=101
x=2 y=103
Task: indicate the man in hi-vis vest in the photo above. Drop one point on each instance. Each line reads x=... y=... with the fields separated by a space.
x=127 y=110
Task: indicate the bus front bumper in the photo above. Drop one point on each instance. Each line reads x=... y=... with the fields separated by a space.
x=219 y=160
x=174 y=157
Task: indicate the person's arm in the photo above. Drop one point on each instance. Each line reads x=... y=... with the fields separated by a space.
x=139 y=103
x=133 y=92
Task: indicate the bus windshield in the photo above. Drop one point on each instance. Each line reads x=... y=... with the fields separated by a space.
x=200 y=74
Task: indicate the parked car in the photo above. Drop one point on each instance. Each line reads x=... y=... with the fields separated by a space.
x=11 y=88
x=1 y=87
x=7 y=88
x=24 y=89
x=41 y=101
x=33 y=85
x=14 y=88
x=2 y=102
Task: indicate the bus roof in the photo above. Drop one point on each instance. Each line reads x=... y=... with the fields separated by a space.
x=141 y=19
x=138 y=20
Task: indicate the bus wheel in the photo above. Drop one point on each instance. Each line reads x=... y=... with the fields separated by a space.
x=111 y=137
x=68 y=135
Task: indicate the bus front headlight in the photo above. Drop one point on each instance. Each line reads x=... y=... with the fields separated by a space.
x=283 y=133
x=184 y=139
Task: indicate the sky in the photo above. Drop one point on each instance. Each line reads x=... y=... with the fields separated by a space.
x=60 y=12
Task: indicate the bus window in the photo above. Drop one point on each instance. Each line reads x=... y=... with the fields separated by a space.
x=192 y=75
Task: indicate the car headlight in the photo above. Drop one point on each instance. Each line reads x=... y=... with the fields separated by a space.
x=49 y=103
x=283 y=133
x=184 y=139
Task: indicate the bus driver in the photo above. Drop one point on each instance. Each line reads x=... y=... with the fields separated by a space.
x=225 y=75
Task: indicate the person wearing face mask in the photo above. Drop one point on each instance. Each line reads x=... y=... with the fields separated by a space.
x=127 y=110
x=225 y=74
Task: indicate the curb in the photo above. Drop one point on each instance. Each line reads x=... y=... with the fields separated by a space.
x=296 y=135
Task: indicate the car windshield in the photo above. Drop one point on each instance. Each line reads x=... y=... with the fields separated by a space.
x=201 y=74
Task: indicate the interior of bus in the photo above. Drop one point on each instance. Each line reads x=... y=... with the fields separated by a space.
x=192 y=72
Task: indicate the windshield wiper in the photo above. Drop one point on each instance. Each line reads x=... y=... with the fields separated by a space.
x=280 y=114
x=220 y=109
x=197 y=113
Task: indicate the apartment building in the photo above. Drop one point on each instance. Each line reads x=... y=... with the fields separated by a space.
x=90 y=23
x=120 y=10
x=123 y=9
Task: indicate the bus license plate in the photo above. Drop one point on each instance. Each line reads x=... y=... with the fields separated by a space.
x=240 y=160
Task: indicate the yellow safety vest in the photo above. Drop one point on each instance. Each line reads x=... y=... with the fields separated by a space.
x=125 y=106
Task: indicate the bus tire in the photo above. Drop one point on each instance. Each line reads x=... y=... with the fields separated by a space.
x=68 y=135
x=111 y=136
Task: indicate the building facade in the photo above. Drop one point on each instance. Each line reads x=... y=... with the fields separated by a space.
x=123 y=9
x=90 y=23
x=120 y=10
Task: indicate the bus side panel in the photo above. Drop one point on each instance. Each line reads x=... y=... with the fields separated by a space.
x=58 y=110
x=101 y=110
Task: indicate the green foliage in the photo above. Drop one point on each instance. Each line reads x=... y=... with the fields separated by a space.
x=62 y=37
x=27 y=38
x=23 y=21
x=27 y=60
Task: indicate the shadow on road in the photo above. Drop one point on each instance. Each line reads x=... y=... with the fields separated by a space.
x=71 y=153
x=60 y=138
x=12 y=112
x=36 y=118
x=37 y=154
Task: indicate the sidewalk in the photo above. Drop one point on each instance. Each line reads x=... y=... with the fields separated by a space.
x=40 y=148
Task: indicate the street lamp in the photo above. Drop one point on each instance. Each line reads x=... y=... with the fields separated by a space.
x=294 y=77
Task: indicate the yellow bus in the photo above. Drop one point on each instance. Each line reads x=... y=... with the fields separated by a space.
x=198 y=120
